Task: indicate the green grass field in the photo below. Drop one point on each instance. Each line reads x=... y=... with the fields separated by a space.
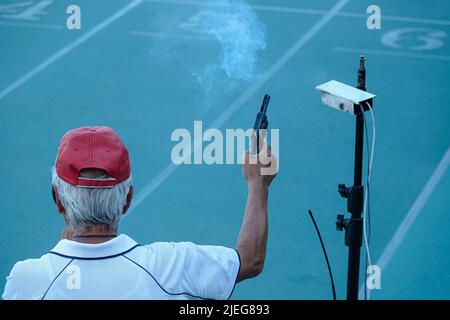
x=131 y=67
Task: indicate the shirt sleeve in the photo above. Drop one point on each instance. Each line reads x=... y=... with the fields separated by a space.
x=29 y=279
x=11 y=291
x=198 y=271
x=20 y=284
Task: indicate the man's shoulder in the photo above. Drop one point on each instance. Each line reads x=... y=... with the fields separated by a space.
x=171 y=249
x=30 y=276
x=168 y=252
x=30 y=267
x=160 y=249
x=161 y=254
x=161 y=245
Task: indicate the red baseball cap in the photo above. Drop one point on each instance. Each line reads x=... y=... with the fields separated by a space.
x=92 y=148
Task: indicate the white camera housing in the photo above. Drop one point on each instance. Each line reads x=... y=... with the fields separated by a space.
x=343 y=97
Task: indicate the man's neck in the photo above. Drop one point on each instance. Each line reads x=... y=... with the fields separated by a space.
x=94 y=234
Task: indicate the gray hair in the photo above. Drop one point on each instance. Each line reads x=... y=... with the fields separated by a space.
x=92 y=206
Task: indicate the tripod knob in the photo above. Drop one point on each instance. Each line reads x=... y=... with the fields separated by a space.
x=340 y=222
x=343 y=190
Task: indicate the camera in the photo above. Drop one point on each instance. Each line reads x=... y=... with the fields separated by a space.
x=343 y=97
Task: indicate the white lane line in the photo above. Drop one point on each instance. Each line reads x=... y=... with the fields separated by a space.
x=282 y=9
x=393 y=53
x=397 y=18
x=65 y=50
x=415 y=210
x=412 y=214
x=236 y=104
x=30 y=25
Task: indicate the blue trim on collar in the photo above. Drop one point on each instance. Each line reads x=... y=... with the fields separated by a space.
x=95 y=258
x=85 y=251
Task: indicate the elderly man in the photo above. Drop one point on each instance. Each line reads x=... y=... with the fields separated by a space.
x=92 y=189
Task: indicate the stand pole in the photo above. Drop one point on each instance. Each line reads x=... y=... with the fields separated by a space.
x=355 y=200
x=354 y=230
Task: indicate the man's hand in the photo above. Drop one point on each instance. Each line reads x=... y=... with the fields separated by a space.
x=259 y=171
x=260 y=168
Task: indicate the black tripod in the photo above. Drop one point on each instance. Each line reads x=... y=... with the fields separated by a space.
x=355 y=198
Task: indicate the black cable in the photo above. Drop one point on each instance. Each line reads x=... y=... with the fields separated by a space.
x=324 y=252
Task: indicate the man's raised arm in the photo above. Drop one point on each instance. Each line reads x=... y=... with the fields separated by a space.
x=252 y=239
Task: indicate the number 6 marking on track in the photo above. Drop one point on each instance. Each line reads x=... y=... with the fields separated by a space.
x=428 y=39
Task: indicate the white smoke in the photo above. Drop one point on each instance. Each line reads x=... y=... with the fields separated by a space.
x=240 y=36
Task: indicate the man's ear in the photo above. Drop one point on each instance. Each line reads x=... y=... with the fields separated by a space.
x=129 y=198
x=57 y=201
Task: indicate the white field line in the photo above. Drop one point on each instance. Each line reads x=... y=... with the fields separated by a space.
x=68 y=48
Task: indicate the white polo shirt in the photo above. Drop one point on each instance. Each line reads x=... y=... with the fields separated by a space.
x=122 y=269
